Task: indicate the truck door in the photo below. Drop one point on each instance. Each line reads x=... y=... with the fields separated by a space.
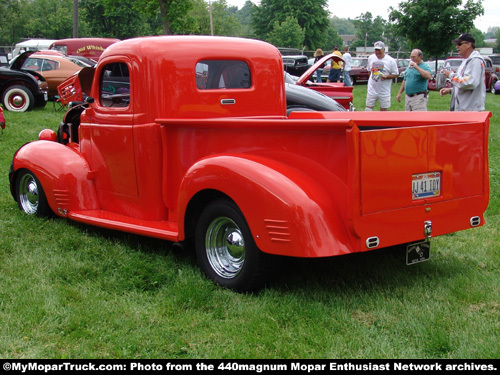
x=111 y=135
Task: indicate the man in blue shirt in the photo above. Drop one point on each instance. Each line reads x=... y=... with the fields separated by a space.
x=415 y=83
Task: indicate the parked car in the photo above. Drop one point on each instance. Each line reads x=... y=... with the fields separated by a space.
x=294 y=62
x=359 y=73
x=4 y=60
x=495 y=60
x=22 y=90
x=402 y=65
x=438 y=80
x=491 y=78
x=90 y=48
x=54 y=66
x=334 y=90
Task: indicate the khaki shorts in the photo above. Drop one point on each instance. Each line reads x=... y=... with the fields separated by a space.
x=384 y=101
x=416 y=103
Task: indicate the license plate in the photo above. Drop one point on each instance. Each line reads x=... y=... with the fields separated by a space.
x=426 y=185
x=418 y=252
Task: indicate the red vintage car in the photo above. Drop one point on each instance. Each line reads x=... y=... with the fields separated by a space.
x=220 y=166
x=335 y=90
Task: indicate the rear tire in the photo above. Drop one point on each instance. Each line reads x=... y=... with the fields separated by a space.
x=225 y=248
x=18 y=99
x=30 y=195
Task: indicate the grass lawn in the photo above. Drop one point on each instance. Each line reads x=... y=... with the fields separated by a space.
x=73 y=291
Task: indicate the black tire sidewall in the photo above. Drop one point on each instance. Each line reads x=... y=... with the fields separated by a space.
x=251 y=275
x=27 y=94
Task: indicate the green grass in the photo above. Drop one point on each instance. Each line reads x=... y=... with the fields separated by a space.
x=74 y=291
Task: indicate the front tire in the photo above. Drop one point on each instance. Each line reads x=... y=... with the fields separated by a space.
x=225 y=248
x=30 y=195
x=18 y=99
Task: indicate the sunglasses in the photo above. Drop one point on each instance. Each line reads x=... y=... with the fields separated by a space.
x=459 y=44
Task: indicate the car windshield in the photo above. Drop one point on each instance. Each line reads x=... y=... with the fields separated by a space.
x=79 y=62
x=455 y=62
x=358 y=62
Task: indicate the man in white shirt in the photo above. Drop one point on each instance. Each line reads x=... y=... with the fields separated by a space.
x=383 y=70
x=347 y=66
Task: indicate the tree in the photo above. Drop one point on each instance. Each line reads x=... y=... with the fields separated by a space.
x=311 y=16
x=114 y=19
x=223 y=20
x=368 y=31
x=287 y=34
x=47 y=18
x=431 y=25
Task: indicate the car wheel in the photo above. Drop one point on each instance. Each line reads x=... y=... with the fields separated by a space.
x=30 y=195
x=18 y=99
x=225 y=248
x=353 y=80
x=493 y=90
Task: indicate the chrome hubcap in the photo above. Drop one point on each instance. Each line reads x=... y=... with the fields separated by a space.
x=28 y=194
x=17 y=100
x=225 y=247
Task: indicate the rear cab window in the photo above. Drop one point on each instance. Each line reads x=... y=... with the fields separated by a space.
x=223 y=74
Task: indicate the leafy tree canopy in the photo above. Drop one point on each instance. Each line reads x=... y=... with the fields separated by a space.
x=311 y=16
x=431 y=25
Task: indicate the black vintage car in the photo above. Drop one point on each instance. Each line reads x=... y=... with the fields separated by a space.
x=294 y=62
x=21 y=90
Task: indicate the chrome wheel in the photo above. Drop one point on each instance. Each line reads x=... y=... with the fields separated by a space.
x=28 y=194
x=226 y=250
x=225 y=247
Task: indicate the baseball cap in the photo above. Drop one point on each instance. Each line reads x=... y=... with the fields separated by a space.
x=465 y=38
x=379 y=45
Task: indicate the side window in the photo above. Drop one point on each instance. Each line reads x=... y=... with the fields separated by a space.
x=49 y=65
x=222 y=74
x=115 y=85
x=33 y=63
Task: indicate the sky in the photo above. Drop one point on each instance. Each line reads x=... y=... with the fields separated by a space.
x=354 y=8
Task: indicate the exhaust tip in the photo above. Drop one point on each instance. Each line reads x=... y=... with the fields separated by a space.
x=372 y=242
x=475 y=221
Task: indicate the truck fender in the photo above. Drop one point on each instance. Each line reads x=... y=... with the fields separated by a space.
x=288 y=211
x=63 y=173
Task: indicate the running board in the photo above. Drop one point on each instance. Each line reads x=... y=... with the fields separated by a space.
x=159 y=229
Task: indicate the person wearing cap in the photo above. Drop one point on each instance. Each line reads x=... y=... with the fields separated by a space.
x=334 y=75
x=468 y=91
x=383 y=70
x=415 y=83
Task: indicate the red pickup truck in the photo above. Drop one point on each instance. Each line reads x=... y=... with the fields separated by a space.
x=189 y=139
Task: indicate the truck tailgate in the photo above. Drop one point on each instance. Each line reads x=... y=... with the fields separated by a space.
x=404 y=177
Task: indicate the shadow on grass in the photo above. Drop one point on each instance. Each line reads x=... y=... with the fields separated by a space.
x=372 y=270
